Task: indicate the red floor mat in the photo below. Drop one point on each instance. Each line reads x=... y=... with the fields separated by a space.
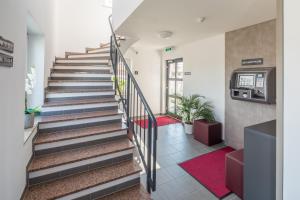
x=161 y=121
x=209 y=170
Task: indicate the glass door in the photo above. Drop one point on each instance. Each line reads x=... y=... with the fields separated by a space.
x=174 y=85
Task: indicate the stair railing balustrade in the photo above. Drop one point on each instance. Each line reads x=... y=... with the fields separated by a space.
x=141 y=122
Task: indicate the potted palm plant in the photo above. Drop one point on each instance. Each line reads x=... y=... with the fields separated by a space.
x=194 y=107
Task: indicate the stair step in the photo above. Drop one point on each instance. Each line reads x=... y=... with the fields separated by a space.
x=80 y=74
x=78 y=102
x=68 y=139
x=81 y=105
x=82 y=71
x=96 y=61
x=80 y=78
x=90 y=185
x=82 y=64
x=89 y=55
x=76 y=90
x=78 y=120
x=86 y=84
x=136 y=192
x=85 y=53
x=98 y=50
x=89 y=67
x=55 y=165
x=99 y=58
x=81 y=81
x=63 y=94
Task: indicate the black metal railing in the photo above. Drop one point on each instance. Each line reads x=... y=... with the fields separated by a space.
x=141 y=122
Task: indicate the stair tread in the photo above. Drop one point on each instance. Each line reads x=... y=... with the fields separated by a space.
x=136 y=192
x=77 y=133
x=78 y=154
x=78 y=102
x=76 y=116
x=83 y=53
x=82 y=64
x=86 y=58
x=72 y=90
x=78 y=182
x=97 y=48
x=93 y=81
x=83 y=71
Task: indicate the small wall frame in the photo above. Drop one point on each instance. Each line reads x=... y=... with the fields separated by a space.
x=6 y=60
x=6 y=45
x=6 y=48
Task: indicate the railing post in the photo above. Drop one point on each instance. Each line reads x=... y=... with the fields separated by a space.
x=116 y=71
x=149 y=147
x=128 y=103
x=110 y=51
x=154 y=156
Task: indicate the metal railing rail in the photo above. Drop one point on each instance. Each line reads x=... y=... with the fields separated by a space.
x=140 y=120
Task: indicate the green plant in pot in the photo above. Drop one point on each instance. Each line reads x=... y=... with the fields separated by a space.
x=194 y=107
x=30 y=113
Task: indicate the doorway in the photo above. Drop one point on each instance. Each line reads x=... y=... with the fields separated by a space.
x=174 y=84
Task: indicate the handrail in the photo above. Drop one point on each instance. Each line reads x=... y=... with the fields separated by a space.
x=139 y=115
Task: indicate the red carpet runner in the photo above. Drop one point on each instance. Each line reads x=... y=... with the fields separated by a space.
x=209 y=170
x=161 y=121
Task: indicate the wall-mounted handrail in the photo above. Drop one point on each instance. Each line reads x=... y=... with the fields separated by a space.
x=140 y=119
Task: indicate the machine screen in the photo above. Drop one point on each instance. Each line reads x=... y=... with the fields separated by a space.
x=246 y=80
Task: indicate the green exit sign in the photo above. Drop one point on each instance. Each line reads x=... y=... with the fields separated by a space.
x=168 y=49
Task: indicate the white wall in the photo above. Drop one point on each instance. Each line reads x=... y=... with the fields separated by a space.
x=81 y=24
x=148 y=64
x=291 y=105
x=205 y=59
x=122 y=9
x=36 y=59
x=13 y=155
x=43 y=13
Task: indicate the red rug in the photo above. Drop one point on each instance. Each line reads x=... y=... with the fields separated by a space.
x=209 y=170
x=161 y=121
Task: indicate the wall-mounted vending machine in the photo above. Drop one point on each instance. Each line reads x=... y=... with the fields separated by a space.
x=254 y=84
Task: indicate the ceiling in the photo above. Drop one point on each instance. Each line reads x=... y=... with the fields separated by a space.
x=180 y=17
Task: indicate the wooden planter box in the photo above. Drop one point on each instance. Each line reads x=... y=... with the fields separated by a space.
x=207 y=133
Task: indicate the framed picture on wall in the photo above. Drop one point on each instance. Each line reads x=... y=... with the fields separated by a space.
x=6 y=45
x=6 y=60
x=6 y=48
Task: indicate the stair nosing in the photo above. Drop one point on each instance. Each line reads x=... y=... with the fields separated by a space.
x=63 y=103
x=85 y=58
x=92 y=81
x=114 y=179
x=78 y=118
x=79 y=53
x=137 y=169
x=51 y=91
x=130 y=146
x=82 y=136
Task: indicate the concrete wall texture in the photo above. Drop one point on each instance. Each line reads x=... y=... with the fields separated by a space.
x=257 y=41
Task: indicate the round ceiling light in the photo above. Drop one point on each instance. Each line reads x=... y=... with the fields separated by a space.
x=200 y=19
x=165 y=34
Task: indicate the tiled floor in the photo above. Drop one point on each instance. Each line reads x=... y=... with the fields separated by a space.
x=173 y=183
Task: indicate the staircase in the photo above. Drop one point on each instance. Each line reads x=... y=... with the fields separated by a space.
x=81 y=150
